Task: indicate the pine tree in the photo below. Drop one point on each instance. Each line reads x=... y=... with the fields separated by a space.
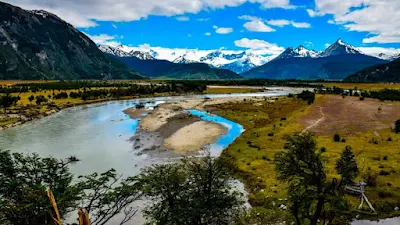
x=347 y=166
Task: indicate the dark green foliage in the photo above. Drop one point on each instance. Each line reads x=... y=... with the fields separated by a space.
x=61 y=95
x=307 y=96
x=347 y=166
x=193 y=191
x=336 y=138
x=312 y=196
x=49 y=48
x=40 y=99
x=323 y=149
x=384 y=173
x=397 y=127
x=31 y=98
x=388 y=72
x=362 y=98
x=25 y=178
x=7 y=100
x=167 y=69
x=385 y=157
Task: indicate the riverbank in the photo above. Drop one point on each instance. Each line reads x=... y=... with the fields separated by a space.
x=180 y=131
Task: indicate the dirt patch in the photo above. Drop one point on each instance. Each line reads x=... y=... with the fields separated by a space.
x=334 y=114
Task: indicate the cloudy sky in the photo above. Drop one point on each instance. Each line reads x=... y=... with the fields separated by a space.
x=265 y=26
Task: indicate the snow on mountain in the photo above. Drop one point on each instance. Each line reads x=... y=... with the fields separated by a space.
x=339 y=47
x=387 y=57
x=183 y=60
x=117 y=51
x=121 y=52
x=141 y=55
x=300 y=51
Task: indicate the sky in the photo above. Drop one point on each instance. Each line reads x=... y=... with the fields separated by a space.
x=264 y=26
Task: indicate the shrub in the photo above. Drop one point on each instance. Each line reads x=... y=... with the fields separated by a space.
x=385 y=194
x=371 y=179
x=389 y=139
x=343 y=140
x=385 y=157
x=384 y=173
x=397 y=127
x=307 y=96
x=336 y=138
x=323 y=149
x=362 y=98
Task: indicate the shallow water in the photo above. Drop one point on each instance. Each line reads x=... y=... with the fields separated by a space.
x=390 y=221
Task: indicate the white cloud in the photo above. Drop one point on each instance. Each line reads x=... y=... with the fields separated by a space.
x=379 y=18
x=113 y=25
x=203 y=19
x=223 y=30
x=308 y=44
x=207 y=33
x=182 y=18
x=83 y=13
x=260 y=47
x=285 y=4
x=375 y=51
x=256 y=24
x=282 y=23
x=327 y=45
x=104 y=39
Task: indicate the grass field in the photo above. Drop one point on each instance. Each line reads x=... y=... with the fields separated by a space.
x=267 y=123
x=364 y=86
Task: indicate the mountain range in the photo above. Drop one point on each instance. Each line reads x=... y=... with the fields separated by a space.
x=335 y=62
x=237 y=62
x=39 y=45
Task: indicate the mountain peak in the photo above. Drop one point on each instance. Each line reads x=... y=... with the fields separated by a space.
x=339 y=48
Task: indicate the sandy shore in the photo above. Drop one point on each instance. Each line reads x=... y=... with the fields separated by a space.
x=180 y=131
x=194 y=136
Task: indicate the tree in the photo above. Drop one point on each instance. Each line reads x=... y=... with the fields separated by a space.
x=25 y=178
x=347 y=166
x=31 y=98
x=336 y=138
x=397 y=127
x=7 y=100
x=192 y=191
x=312 y=196
x=40 y=99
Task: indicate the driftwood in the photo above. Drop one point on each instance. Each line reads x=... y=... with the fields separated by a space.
x=360 y=189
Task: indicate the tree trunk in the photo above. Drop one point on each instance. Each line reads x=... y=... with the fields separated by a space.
x=318 y=210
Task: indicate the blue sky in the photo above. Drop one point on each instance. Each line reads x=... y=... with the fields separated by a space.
x=213 y=24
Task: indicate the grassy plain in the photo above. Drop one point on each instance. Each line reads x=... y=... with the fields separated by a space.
x=267 y=123
x=364 y=86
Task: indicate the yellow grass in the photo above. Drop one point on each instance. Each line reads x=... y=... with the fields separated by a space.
x=363 y=86
x=253 y=152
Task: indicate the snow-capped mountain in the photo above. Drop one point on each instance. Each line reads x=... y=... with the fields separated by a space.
x=300 y=51
x=118 y=51
x=338 y=48
x=141 y=55
x=183 y=60
x=237 y=62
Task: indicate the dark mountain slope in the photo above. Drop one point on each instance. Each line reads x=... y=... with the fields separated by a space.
x=39 y=45
x=331 y=67
x=166 y=69
x=389 y=72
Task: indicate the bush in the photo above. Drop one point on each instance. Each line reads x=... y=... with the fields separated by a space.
x=384 y=173
x=336 y=138
x=385 y=157
x=397 y=127
x=323 y=149
x=307 y=96
x=362 y=98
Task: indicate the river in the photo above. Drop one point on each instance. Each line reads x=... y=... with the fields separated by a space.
x=99 y=135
